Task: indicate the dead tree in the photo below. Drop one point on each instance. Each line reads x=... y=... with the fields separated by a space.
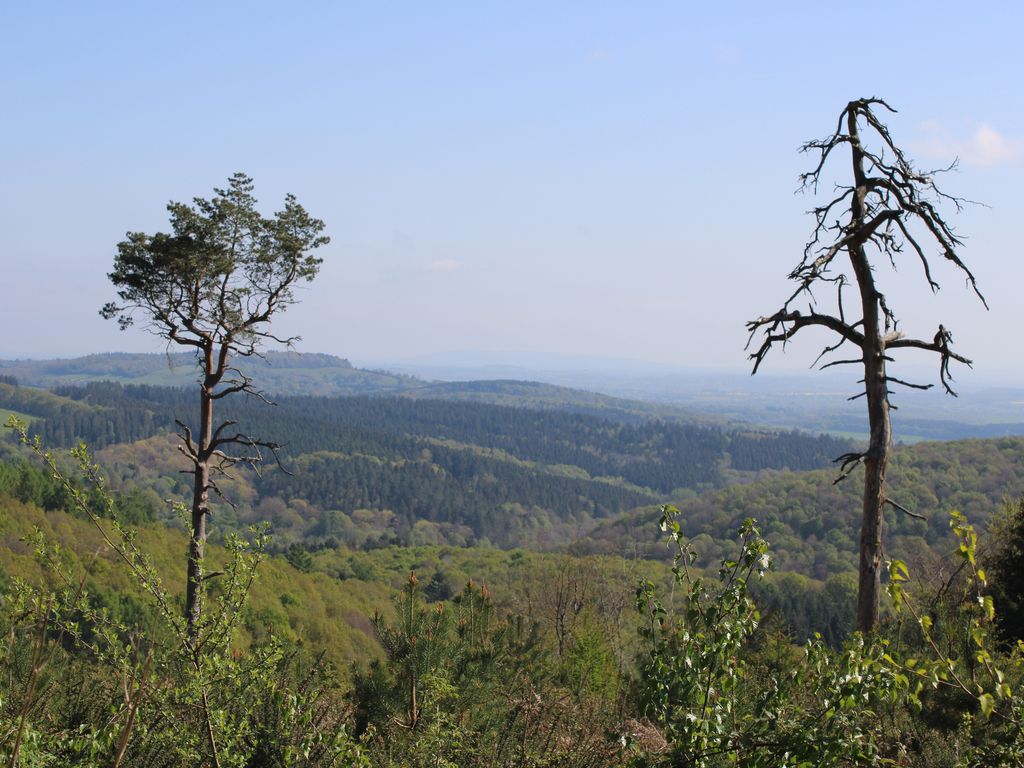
x=213 y=285
x=888 y=211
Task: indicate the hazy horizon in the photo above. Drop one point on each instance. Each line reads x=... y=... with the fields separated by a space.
x=532 y=180
x=478 y=364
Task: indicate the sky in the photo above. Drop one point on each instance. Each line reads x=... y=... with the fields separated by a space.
x=558 y=179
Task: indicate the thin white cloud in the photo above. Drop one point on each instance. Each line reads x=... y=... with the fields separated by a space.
x=444 y=265
x=985 y=147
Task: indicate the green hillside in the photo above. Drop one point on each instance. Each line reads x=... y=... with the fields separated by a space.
x=813 y=522
x=379 y=470
x=325 y=604
x=373 y=472
x=382 y=488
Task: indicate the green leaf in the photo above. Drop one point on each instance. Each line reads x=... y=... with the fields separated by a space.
x=987 y=704
x=898 y=570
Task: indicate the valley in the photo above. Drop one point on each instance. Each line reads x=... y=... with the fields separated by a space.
x=535 y=501
x=503 y=464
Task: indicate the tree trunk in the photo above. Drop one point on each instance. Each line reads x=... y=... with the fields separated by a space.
x=200 y=497
x=414 y=711
x=884 y=208
x=876 y=391
x=197 y=544
x=876 y=458
x=876 y=461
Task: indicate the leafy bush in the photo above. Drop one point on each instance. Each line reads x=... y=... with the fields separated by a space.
x=720 y=699
x=162 y=695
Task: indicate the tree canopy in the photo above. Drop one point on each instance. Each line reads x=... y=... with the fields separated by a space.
x=221 y=273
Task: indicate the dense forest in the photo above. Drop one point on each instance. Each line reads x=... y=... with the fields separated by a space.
x=461 y=465
x=515 y=657
x=384 y=629
x=380 y=471
x=811 y=519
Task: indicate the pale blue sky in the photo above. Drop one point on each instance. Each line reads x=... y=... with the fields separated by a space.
x=596 y=179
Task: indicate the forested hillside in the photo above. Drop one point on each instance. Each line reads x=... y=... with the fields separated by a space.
x=460 y=471
x=375 y=471
x=813 y=521
x=324 y=601
x=508 y=642
x=622 y=467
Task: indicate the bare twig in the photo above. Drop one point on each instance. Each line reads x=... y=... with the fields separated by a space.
x=903 y=509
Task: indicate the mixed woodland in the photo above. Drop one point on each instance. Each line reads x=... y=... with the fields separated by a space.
x=514 y=540
x=379 y=571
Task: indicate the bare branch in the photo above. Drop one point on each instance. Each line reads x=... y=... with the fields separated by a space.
x=783 y=325
x=187 y=446
x=221 y=495
x=848 y=462
x=903 y=509
x=855 y=361
x=894 y=380
x=829 y=350
x=940 y=345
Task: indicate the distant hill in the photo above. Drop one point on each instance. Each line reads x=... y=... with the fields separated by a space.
x=303 y=373
x=817 y=401
x=540 y=396
x=279 y=373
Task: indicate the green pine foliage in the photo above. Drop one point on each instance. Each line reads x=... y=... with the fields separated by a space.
x=461 y=686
